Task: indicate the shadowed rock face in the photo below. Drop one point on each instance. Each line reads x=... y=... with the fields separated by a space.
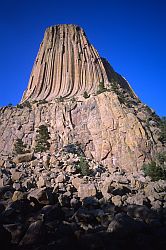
x=66 y=65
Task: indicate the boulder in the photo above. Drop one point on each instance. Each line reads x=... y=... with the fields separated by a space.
x=41 y=182
x=16 y=230
x=23 y=158
x=1 y=163
x=76 y=182
x=1 y=182
x=124 y=225
x=16 y=175
x=18 y=195
x=138 y=199
x=86 y=190
x=52 y=212
x=61 y=178
x=46 y=161
x=117 y=200
x=41 y=195
x=34 y=163
x=5 y=238
x=35 y=234
x=17 y=185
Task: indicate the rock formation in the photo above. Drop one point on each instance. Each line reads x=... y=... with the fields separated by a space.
x=71 y=155
x=112 y=125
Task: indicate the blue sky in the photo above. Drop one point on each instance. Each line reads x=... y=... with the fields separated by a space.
x=131 y=34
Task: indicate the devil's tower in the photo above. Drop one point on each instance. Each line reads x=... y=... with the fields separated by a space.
x=67 y=65
x=109 y=122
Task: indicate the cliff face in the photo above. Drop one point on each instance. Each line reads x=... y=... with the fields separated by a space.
x=112 y=125
x=107 y=130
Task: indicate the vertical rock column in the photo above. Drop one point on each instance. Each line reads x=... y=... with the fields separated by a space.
x=66 y=65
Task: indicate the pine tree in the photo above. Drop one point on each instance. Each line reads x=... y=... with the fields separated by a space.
x=162 y=126
x=101 y=88
x=85 y=95
x=19 y=147
x=42 y=138
x=83 y=167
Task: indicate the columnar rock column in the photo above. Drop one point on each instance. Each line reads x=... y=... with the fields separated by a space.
x=66 y=65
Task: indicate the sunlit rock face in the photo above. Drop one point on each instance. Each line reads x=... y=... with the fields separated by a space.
x=111 y=125
x=66 y=65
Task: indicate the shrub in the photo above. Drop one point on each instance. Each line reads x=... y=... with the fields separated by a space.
x=42 y=138
x=101 y=88
x=73 y=99
x=85 y=95
x=61 y=99
x=33 y=102
x=19 y=147
x=162 y=126
x=24 y=104
x=83 y=166
x=73 y=149
x=10 y=105
x=156 y=169
x=19 y=106
x=27 y=104
x=115 y=89
x=42 y=101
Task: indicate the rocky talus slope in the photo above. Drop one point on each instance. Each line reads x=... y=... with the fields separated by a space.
x=47 y=203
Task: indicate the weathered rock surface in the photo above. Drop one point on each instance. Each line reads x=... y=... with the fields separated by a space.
x=106 y=129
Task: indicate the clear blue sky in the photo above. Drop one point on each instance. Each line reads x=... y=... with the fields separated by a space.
x=131 y=34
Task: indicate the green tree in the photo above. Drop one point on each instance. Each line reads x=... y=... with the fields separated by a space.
x=42 y=138
x=156 y=169
x=19 y=147
x=85 y=95
x=24 y=104
x=83 y=167
x=61 y=99
x=162 y=126
x=10 y=105
x=101 y=88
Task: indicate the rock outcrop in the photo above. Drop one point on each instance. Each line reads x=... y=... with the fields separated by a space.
x=82 y=100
